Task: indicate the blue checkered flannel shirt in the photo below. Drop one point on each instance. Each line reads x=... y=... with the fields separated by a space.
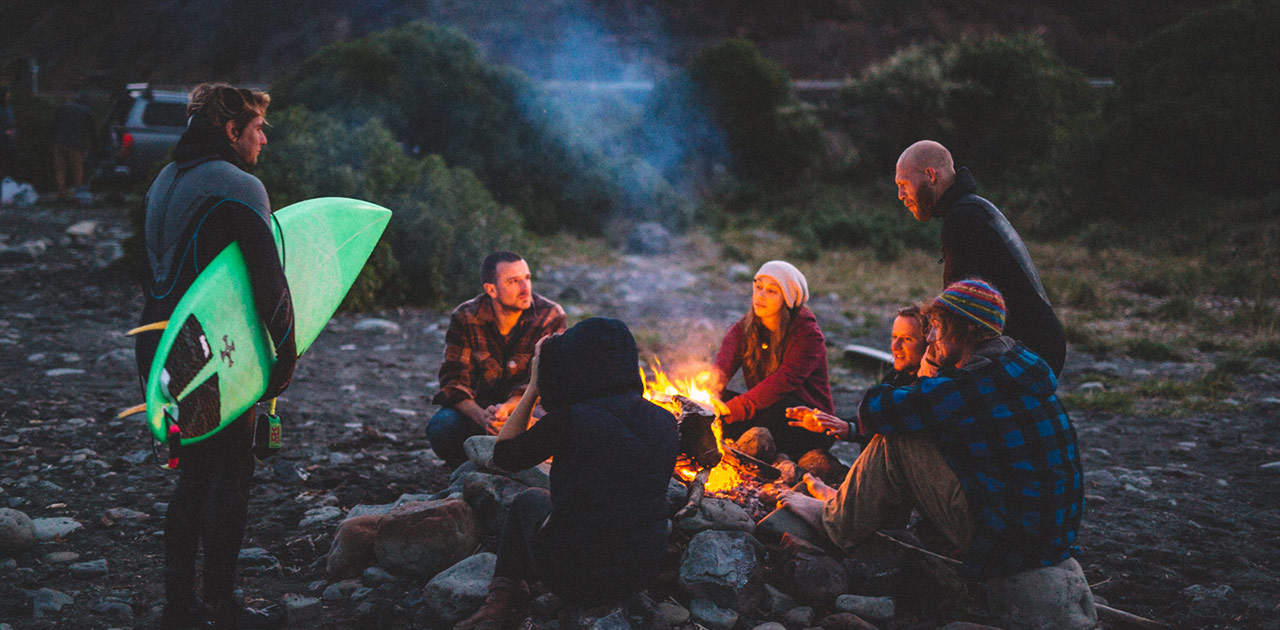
x=1002 y=430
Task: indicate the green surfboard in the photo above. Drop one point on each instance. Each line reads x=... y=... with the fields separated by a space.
x=215 y=356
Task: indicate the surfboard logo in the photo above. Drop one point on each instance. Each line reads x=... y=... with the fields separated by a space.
x=227 y=348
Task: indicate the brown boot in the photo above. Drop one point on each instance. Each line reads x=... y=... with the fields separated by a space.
x=502 y=606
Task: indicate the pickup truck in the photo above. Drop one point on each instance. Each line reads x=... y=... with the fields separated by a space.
x=142 y=128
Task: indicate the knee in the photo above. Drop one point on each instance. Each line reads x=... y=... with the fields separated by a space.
x=444 y=423
x=531 y=501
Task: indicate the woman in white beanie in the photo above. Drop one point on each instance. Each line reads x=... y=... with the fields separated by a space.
x=783 y=357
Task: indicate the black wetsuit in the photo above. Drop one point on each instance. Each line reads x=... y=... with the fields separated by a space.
x=978 y=241
x=197 y=206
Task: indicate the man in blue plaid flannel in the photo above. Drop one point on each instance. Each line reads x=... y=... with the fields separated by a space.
x=984 y=449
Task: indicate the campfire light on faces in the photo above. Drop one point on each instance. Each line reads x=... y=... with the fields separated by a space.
x=662 y=391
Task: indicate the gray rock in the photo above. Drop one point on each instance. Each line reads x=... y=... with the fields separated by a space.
x=1092 y=386
x=300 y=609
x=776 y=603
x=425 y=538
x=615 y=620
x=7 y=565
x=361 y=593
x=479 y=450
x=257 y=561
x=649 y=238
x=124 y=514
x=46 y=601
x=799 y=617
x=783 y=521
x=870 y=607
x=758 y=443
x=490 y=497
x=339 y=591
x=721 y=514
x=739 y=272
x=60 y=557
x=1270 y=466
x=713 y=616
x=845 y=621
x=1198 y=592
x=535 y=477
x=374 y=324
x=90 y=569
x=17 y=531
x=82 y=229
x=673 y=614
x=340 y=459
x=771 y=625
x=845 y=452
x=322 y=514
x=724 y=567
x=55 y=527
x=114 y=608
x=137 y=457
x=965 y=625
x=116 y=359
x=377 y=575
x=677 y=496
x=459 y=590
x=816 y=579
x=1044 y=598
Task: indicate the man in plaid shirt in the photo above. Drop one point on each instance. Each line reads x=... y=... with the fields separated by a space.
x=487 y=351
x=984 y=449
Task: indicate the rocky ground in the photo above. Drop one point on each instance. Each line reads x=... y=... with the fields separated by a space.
x=1180 y=524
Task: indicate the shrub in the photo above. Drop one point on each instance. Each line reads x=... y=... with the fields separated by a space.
x=1148 y=350
x=444 y=220
x=1000 y=104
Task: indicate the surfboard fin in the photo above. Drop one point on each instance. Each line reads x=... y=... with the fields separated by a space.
x=148 y=327
x=132 y=410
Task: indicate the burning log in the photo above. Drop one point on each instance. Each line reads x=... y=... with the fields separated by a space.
x=697 y=437
x=759 y=469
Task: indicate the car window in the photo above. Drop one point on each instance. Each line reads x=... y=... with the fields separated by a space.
x=165 y=114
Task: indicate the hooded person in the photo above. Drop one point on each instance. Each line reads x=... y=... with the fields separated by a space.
x=599 y=534
x=783 y=357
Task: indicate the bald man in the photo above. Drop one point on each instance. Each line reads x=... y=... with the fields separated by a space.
x=978 y=241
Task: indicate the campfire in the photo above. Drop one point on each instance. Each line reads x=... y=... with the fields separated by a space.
x=723 y=471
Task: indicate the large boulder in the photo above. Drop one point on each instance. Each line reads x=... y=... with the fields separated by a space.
x=490 y=497
x=425 y=538
x=458 y=591
x=724 y=567
x=1044 y=598
x=17 y=533
x=351 y=551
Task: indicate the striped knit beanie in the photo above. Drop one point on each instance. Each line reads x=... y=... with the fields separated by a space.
x=977 y=301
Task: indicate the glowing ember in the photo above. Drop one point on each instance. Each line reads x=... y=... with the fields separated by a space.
x=661 y=391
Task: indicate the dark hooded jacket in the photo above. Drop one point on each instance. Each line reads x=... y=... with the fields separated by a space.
x=198 y=205
x=979 y=242
x=613 y=456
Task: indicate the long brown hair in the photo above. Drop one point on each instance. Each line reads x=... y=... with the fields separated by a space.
x=761 y=348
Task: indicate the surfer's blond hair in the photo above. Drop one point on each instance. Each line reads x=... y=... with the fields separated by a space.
x=219 y=103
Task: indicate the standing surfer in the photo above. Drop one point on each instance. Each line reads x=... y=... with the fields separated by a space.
x=200 y=203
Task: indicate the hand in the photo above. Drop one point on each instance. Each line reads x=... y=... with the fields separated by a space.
x=494 y=424
x=537 y=360
x=928 y=364
x=805 y=418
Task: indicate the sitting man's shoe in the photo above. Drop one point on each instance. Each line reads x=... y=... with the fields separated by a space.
x=502 y=607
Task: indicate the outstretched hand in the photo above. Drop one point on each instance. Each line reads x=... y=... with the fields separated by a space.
x=818 y=422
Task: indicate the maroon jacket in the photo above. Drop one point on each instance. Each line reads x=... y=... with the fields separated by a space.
x=802 y=372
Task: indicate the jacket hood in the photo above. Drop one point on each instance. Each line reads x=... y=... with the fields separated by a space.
x=202 y=141
x=595 y=358
x=964 y=184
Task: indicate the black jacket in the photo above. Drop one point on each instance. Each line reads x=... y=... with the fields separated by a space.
x=978 y=241
x=614 y=452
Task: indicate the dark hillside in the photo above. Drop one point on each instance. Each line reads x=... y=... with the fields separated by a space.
x=108 y=42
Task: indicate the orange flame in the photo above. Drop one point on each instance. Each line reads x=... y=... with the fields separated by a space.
x=661 y=391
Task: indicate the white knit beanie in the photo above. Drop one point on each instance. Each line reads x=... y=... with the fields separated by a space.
x=795 y=291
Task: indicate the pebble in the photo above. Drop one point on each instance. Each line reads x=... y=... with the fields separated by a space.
x=546 y=605
x=319 y=515
x=1198 y=592
x=114 y=608
x=799 y=617
x=377 y=575
x=339 y=591
x=873 y=607
x=257 y=561
x=300 y=609
x=125 y=514
x=55 y=527
x=60 y=557
x=63 y=372
x=1270 y=466
x=772 y=625
x=377 y=325
x=360 y=593
x=713 y=616
x=90 y=569
x=1093 y=386
x=17 y=530
x=673 y=614
x=47 y=600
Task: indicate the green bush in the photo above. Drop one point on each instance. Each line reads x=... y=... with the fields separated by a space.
x=444 y=219
x=840 y=216
x=1001 y=104
x=33 y=117
x=1148 y=350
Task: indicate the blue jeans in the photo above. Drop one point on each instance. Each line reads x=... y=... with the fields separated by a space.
x=447 y=430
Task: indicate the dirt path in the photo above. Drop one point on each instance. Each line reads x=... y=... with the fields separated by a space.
x=1180 y=525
